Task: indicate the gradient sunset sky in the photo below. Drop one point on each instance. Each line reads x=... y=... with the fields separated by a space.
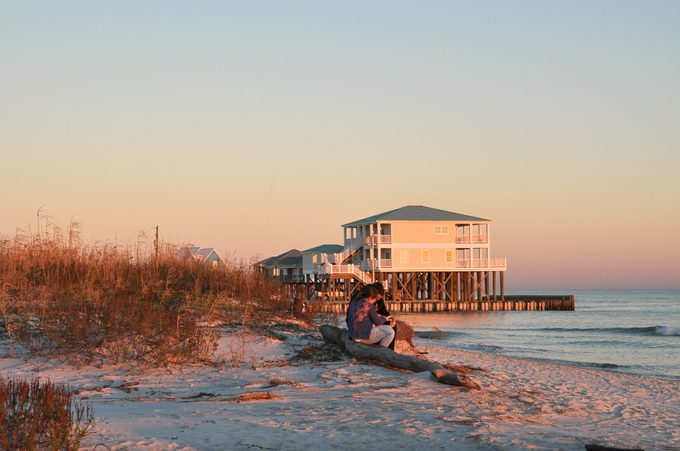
x=256 y=127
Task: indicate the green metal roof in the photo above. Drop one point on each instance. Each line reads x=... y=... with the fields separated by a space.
x=324 y=249
x=277 y=259
x=415 y=213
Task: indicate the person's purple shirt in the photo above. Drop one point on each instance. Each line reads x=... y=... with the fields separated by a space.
x=361 y=316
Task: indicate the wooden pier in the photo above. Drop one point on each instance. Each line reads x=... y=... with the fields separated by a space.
x=509 y=303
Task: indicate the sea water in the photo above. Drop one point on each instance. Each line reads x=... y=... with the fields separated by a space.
x=619 y=330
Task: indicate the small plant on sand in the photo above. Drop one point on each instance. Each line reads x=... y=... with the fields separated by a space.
x=41 y=415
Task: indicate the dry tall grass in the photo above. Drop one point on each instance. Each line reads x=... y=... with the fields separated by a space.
x=41 y=415
x=107 y=302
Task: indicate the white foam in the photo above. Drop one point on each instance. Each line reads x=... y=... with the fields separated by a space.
x=666 y=330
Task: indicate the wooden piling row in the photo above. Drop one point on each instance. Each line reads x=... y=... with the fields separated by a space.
x=515 y=302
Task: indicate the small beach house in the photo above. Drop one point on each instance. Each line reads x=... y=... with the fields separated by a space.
x=203 y=254
x=287 y=267
x=315 y=257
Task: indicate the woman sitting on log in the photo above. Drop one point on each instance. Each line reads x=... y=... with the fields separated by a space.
x=365 y=324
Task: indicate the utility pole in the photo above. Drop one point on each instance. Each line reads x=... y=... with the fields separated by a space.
x=155 y=242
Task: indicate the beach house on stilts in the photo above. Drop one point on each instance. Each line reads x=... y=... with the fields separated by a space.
x=418 y=253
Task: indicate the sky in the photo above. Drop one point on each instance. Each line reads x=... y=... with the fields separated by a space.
x=256 y=127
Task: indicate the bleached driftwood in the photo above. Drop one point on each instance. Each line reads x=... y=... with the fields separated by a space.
x=389 y=357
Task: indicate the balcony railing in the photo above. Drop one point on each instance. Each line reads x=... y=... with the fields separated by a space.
x=346 y=269
x=386 y=262
x=496 y=262
x=464 y=239
x=385 y=239
x=478 y=239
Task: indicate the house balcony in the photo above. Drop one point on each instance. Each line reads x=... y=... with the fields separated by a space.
x=372 y=240
x=482 y=263
x=375 y=265
x=474 y=239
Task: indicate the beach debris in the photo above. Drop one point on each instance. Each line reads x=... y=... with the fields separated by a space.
x=274 y=382
x=468 y=421
x=252 y=396
x=200 y=395
x=128 y=386
x=391 y=358
x=594 y=447
x=314 y=354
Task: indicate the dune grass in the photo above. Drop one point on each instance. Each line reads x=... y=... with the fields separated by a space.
x=112 y=303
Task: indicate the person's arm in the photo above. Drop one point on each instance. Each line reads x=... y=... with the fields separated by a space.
x=381 y=308
x=376 y=318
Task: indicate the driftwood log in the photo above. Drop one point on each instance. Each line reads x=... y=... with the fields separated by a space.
x=389 y=357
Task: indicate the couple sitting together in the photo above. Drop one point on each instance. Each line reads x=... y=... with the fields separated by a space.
x=368 y=324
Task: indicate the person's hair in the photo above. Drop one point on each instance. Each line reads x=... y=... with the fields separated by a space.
x=379 y=288
x=358 y=292
x=368 y=292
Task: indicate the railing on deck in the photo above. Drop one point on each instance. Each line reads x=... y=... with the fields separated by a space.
x=496 y=262
x=385 y=239
x=346 y=269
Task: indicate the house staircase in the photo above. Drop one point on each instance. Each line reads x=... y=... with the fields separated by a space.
x=348 y=272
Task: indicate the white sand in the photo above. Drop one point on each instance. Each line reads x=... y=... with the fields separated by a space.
x=346 y=405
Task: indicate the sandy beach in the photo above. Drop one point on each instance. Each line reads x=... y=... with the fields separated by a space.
x=289 y=390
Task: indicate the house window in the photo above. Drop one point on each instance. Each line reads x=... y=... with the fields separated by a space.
x=403 y=256
x=441 y=230
x=315 y=259
x=449 y=256
x=425 y=256
x=462 y=234
x=480 y=233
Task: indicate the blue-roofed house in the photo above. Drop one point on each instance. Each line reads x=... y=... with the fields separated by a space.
x=317 y=256
x=286 y=267
x=203 y=254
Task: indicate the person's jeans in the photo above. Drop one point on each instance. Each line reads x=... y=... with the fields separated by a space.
x=382 y=335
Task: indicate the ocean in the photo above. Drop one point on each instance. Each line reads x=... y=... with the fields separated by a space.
x=633 y=331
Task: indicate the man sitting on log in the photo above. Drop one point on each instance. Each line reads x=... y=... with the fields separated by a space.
x=365 y=324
